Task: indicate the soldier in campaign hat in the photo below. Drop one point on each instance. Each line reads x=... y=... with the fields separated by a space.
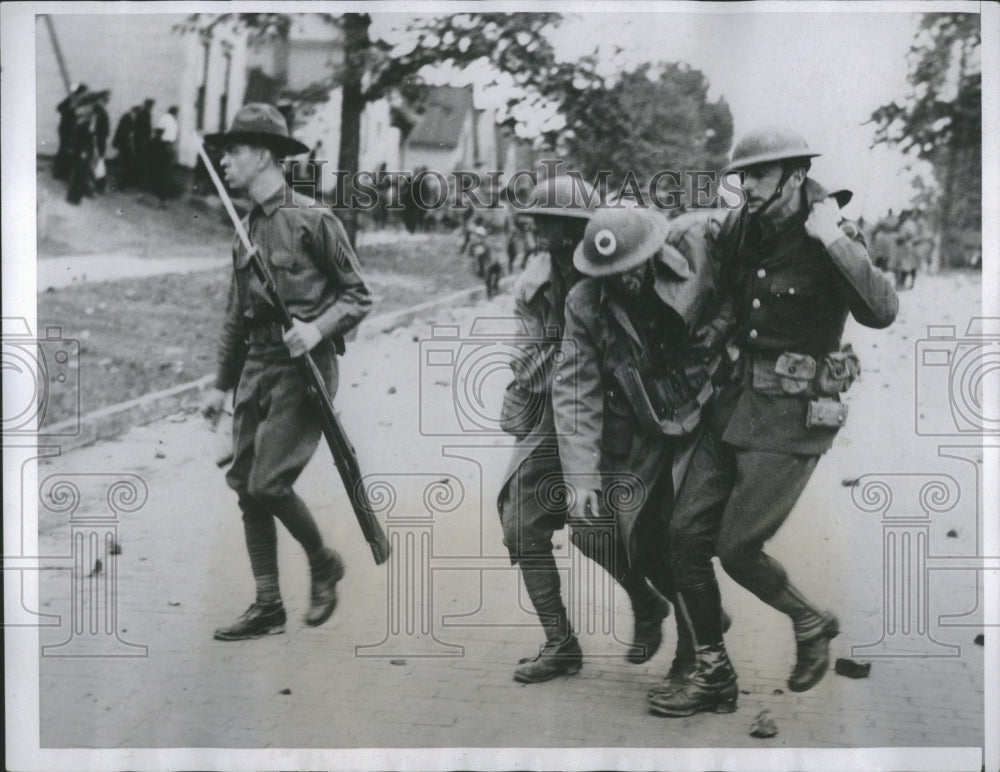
x=795 y=270
x=274 y=432
x=629 y=393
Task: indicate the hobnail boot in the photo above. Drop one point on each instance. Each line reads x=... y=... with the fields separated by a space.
x=323 y=589
x=711 y=686
x=260 y=619
x=812 y=656
x=553 y=660
x=648 y=634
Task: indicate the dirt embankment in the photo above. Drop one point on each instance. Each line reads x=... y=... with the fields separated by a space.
x=141 y=334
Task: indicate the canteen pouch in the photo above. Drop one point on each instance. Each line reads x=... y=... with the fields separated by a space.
x=521 y=410
x=795 y=371
x=837 y=371
x=827 y=413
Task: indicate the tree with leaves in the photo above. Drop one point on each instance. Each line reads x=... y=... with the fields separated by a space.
x=372 y=68
x=650 y=119
x=655 y=118
x=940 y=121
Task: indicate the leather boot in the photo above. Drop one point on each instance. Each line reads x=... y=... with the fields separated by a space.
x=600 y=543
x=323 y=588
x=561 y=654
x=649 y=612
x=813 y=632
x=812 y=656
x=553 y=660
x=711 y=684
x=260 y=619
x=682 y=666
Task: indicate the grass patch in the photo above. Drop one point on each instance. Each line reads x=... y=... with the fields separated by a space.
x=142 y=335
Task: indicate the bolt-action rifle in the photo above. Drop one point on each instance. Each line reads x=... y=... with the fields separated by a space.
x=340 y=446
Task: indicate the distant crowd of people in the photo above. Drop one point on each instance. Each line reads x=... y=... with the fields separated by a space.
x=901 y=244
x=146 y=153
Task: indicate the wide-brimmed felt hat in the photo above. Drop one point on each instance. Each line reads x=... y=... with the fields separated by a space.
x=258 y=123
x=91 y=97
x=618 y=239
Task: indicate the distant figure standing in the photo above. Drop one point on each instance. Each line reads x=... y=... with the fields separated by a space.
x=905 y=256
x=143 y=142
x=884 y=241
x=102 y=129
x=163 y=154
x=82 y=151
x=124 y=143
x=380 y=214
x=67 y=123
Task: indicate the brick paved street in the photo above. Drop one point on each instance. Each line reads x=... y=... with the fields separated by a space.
x=419 y=654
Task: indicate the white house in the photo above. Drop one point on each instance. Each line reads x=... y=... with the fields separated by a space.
x=138 y=56
x=207 y=74
x=451 y=133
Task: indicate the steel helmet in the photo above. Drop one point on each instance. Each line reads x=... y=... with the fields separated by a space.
x=766 y=145
x=619 y=239
x=563 y=196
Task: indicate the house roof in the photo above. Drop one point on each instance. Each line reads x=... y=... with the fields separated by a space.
x=525 y=156
x=440 y=125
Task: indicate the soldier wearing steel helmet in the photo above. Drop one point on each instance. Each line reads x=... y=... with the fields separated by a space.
x=530 y=504
x=629 y=391
x=795 y=270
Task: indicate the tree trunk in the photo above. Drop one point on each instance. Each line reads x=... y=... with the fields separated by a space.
x=944 y=243
x=356 y=43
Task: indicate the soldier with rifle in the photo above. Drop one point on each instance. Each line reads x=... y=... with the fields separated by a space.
x=296 y=291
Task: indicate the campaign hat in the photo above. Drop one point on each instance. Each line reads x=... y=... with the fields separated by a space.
x=258 y=123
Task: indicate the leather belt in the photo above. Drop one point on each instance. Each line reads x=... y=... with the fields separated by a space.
x=265 y=334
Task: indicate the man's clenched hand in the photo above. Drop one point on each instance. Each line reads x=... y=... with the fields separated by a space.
x=211 y=404
x=302 y=338
x=823 y=222
x=586 y=505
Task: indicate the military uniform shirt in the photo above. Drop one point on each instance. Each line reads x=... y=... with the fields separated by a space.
x=315 y=270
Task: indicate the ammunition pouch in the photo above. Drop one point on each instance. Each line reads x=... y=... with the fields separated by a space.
x=826 y=412
x=837 y=371
x=764 y=377
x=795 y=372
x=521 y=411
x=802 y=375
x=670 y=403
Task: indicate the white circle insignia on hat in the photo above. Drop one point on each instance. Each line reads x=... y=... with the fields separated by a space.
x=605 y=242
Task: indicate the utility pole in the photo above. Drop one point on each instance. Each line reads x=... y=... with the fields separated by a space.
x=59 y=57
